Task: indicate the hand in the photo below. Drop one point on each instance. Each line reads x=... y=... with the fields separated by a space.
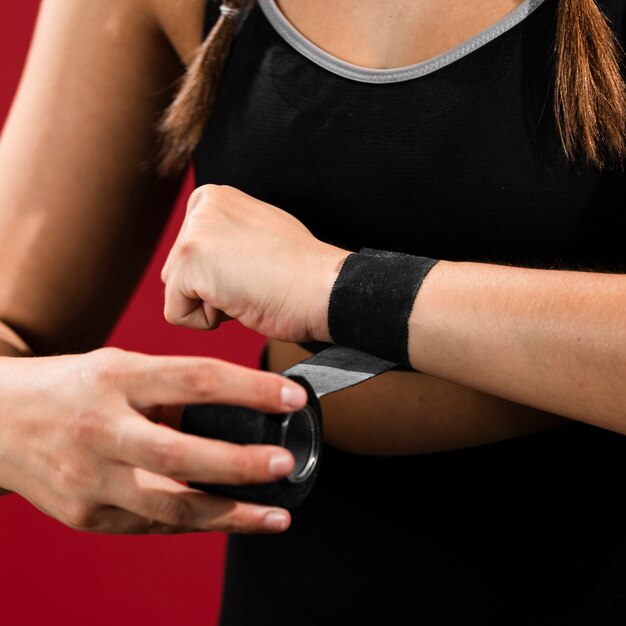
x=239 y=257
x=78 y=440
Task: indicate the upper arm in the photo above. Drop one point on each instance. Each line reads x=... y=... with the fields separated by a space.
x=80 y=209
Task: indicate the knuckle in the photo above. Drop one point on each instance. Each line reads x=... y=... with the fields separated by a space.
x=107 y=375
x=81 y=472
x=80 y=516
x=88 y=427
x=268 y=392
x=245 y=469
x=237 y=522
x=205 y=194
x=211 y=195
x=169 y=314
x=188 y=248
x=108 y=353
x=173 y=511
x=232 y=526
x=71 y=478
x=105 y=366
x=197 y=196
x=202 y=377
x=169 y=457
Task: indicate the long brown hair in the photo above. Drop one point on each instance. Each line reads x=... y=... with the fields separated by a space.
x=589 y=88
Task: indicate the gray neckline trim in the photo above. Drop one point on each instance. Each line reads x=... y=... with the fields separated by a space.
x=371 y=75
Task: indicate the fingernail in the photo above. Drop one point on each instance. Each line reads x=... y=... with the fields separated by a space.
x=276 y=521
x=293 y=396
x=281 y=464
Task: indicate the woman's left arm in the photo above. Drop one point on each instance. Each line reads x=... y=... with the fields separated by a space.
x=550 y=339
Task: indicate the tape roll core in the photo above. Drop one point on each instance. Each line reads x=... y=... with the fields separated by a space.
x=299 y=433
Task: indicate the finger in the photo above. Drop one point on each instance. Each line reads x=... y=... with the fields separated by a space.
x=188 y=310
x=113 y=520
x=139 y=442
x=159 y=380
x=165 y=270
x=215 y=315
x=175 y=507
x=109 y=519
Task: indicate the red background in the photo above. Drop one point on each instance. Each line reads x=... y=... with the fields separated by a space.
x=51 y=575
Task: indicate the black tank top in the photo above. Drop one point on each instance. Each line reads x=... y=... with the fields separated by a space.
x=458 y=159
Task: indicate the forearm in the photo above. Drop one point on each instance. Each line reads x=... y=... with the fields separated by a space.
x=403 y=412
x=554 y=340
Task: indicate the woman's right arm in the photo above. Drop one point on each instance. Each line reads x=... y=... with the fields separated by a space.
x=80 y=213
x=81 y=210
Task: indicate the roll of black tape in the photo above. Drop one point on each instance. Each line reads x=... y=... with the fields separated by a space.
x=300 y=432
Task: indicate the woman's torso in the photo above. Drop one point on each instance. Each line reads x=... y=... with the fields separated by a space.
x=461 y=161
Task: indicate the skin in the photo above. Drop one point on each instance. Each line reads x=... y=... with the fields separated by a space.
x=391 y=34
x=78 y=150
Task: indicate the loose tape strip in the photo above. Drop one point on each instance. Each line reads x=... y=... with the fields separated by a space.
x=301 y=432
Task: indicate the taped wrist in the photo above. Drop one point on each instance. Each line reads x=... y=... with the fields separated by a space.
x=371 y=302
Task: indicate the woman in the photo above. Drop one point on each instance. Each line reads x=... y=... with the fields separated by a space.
x=462 y=150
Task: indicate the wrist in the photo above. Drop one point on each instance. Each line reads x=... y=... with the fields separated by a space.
x=432 y=311
x=372 y=299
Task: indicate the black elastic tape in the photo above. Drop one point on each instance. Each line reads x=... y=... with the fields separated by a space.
x=249 y=426
x=371 y=302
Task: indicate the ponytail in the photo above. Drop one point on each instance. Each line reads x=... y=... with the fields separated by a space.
x=590 y=94
x=184 y=120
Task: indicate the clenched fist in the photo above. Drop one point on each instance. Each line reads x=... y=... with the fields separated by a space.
x=239 y=257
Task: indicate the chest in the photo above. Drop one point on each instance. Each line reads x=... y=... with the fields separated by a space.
x=461 y=163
